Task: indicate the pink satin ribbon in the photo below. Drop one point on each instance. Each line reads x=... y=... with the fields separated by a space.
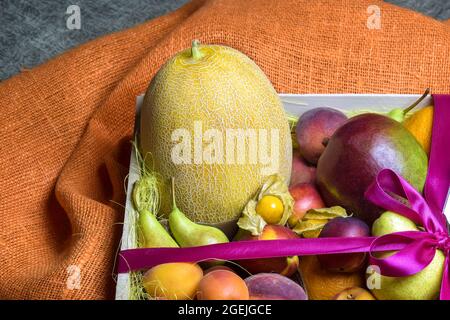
x=416 y=249
x=419 y=247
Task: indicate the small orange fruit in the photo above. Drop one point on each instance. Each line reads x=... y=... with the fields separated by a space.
x=270 y=208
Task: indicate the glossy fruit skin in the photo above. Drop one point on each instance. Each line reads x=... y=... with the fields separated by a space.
x=321 y=284
x=344 y=227
x=270 y=208
x=306 y=197
x=354 y=293
x=314 y=129
x=173 y=281
x=222 y=285
x=356 y=153
x=301 y=172
x=272 y=286
x=420 y=124
x=284 y=266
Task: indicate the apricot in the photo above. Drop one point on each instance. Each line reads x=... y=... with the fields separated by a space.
x=222 y=285
x=211 y=269
x=173 y=281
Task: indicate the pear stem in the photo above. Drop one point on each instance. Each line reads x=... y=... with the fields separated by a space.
x=195 y=50
x=174 y=204
x=425 y=94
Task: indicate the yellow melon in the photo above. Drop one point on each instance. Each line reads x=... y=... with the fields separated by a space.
x=212 y=120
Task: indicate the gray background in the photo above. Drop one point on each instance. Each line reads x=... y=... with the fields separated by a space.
x=33 y=31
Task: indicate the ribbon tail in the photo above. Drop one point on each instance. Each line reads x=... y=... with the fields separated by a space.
x=438 y=179
x=445 y=286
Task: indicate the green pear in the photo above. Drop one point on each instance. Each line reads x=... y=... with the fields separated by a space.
x=424 y=285
x=190 y=234
x=153 y=234
x=390 y=222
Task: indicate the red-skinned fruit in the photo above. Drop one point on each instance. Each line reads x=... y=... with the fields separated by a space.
x=344 y=228
x=306 y=197
x=272 y=286
x=301 y=171
x=313 y=130
x=356 y=153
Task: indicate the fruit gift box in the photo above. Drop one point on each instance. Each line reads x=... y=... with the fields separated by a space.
x=237 y=192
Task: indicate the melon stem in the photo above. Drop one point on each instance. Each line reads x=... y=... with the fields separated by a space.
x=195 y=50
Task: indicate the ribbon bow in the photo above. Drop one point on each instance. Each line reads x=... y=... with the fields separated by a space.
x=419 y=247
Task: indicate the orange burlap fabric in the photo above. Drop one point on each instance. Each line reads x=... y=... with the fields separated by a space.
x=65 y=126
